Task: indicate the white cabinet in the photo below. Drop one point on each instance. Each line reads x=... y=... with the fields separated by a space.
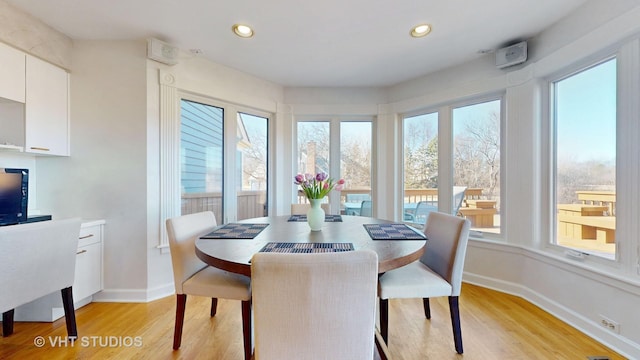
x=88 y=276
x=12 y=70
x=46 y=108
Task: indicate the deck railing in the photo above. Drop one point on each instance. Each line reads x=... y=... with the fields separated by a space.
x=253 y=203
x=250 y=203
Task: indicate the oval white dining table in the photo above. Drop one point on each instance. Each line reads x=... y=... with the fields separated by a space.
x=234 y=255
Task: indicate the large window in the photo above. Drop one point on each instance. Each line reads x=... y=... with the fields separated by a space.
x=476 y=165
x=204 y=167
x=585 y=160
x=420 y=158
x=474 y=155
x=342 y=149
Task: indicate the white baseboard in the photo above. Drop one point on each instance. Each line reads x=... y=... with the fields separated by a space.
x=134 y=295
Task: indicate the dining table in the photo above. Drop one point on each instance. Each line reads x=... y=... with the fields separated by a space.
x=231 y=246
x=234 y=254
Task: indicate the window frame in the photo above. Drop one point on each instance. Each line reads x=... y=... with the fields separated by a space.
x=446 y=153
x=230 y=111
x=549 y=154
x=485 y=98
x=334 y=153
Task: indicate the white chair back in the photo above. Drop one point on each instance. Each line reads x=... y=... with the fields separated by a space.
x=36 y=260
x=183 y=231
x=446 y=247
x=312 y=306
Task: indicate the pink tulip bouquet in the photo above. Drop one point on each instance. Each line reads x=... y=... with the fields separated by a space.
x=318 y=186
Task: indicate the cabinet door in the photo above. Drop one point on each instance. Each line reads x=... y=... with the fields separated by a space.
x=88 y=275
x=12 y=68
x=46 y=108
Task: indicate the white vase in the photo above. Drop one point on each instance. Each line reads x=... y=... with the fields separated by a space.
x=315 y=215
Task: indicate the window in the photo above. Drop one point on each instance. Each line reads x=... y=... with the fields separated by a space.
x=476 y=165
x=342 y=149
x=251 y=167
x=203 y=166
x=201 y=160
x=420 y=157
x=355 y=166
x=585 y=160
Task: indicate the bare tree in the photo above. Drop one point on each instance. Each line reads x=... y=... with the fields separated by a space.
x=420 y=156
x=477 y=154
x=356 y=164
x=254 y=161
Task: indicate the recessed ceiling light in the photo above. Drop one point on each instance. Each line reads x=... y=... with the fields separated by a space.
x=420 y=30
x=242 y=30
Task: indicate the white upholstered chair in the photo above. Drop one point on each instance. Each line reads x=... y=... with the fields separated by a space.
x=301 y=209
x=437 y=273
x=36 y=260
x=314 y=306
x=194 y=277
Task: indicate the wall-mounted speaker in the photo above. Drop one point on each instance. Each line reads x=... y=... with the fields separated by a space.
x=511 y=55
x=162 y=52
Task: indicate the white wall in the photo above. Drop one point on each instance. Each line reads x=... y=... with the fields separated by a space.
x=105 y=177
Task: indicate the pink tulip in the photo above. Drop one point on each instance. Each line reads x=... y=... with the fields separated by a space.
x=339 y=187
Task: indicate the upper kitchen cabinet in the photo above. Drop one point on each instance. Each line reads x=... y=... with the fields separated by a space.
x=12 y=79
x=46 y=108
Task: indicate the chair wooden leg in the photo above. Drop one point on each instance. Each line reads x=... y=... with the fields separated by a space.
x=214 y=306
x=455 y=322
x=246 y=329
x=69 y=312
x=427 y=308
x=181 y=303
x=7 y=323
x=384 y=320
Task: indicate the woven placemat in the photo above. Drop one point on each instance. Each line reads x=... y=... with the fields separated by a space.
x=236 y=231
x=327 y=218
x=284 y=247
x=393 y=232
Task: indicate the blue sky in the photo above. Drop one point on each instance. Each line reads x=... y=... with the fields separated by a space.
x=586 y=114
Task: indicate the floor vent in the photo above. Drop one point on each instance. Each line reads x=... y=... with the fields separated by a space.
x=598 y=358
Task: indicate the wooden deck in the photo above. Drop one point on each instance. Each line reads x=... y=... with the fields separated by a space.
x=592 y=219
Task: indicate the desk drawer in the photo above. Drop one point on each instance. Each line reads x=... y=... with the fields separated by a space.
x=90 y=235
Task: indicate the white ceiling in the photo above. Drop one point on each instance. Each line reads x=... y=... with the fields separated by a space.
x=322 y=43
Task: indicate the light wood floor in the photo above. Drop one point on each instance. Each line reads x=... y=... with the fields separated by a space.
x=494 y=326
